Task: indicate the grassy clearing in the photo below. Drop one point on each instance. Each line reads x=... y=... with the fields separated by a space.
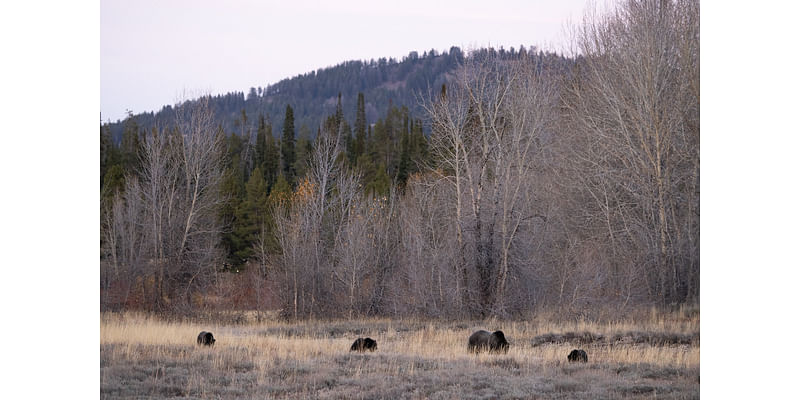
x=141 y=356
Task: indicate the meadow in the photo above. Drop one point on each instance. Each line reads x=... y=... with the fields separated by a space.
x=651 y=355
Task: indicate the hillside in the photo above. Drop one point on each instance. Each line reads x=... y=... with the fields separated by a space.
x=313 y=95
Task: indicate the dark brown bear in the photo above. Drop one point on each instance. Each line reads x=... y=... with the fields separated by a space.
x=483 y=340
x=205 y=339
x=364 y=344
x=577 y=355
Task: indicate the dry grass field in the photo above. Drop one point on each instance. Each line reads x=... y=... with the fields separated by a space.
x=656 y=356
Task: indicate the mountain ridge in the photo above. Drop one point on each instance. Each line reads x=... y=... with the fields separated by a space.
x=313 y=95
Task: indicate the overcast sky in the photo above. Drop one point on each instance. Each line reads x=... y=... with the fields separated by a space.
x=151 y=52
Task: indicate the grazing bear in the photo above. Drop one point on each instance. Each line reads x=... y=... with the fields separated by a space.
x=577 y=355
x=205 y=339
x=364 y=344
x=483 y=340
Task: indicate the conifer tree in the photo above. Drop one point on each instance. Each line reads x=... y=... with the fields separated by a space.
x=261 y=141
x=105 y=151
x=272 y=157
x=281 y=192
x=131 y=146
x=113 y=182
x=339 y=117
x=360 y=128
x=404 y=165
x=288 y=154
x=303 y=149
x=250 y=216
x=419 y=143
x=349 y=145
x=232 y=193
x=245 y=133
x=380 y=183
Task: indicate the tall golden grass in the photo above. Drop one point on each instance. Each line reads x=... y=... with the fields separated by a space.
x=295 y=359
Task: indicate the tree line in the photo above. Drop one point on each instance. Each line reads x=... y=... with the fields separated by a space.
x=537 y=187
x=313 y=95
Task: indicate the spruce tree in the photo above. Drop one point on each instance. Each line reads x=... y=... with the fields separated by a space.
x=339 y=113
x=380 y=183
x=349 y=144
x=113 y=182
x=404 y=165
x=109 y=154
x=131 y=147
x=250 y=216
x=280 y=195
x=105 y=150
x=261 y=141
x=272 y=157
x=303 y=150
x=419 y=144
x=361 y=127
x=288 y=155
x=232 y=193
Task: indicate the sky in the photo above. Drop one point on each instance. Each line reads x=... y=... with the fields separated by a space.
x=155 y=53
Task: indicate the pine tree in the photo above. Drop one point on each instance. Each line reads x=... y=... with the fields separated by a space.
x=245 y=132
x=261 y=141
x=235 y=147
x=232 y=192
x=303 y=149
x=339 y=112
x=380 y=184
x=349 y=144
x=131 y=146
x=281 y=192
x=109 y=156
x=404 y=166
x=360 y=128
x=113 y=182
x=250 y=216
x=105 y=149
x=288 y=155
x=419 y=143
x=272 y=157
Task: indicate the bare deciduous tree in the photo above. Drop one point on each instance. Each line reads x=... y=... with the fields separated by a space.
x=164 y=227
x=487 y=131
x=635 y=109
x=322 y=236
x=428 y=281
x=293 y=229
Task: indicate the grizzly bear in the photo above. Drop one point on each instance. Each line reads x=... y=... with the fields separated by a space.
x=364 y=344
x=577 y=355
x=494 y=342
x=205 y=339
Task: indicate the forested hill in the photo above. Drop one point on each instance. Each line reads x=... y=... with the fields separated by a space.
x=313 y=95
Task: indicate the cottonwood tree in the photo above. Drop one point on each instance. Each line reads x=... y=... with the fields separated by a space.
x=487 y=132
x=427 y=280
x=123 y=263
x=294 y=232
x=165 y=226
x=447 y=146
x=361 y=223
x=634 y=110
x=324 y=169
x=310 y=226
